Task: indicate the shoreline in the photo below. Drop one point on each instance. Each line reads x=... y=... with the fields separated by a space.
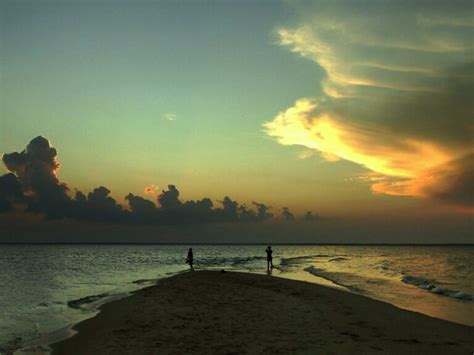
x=41 y=344
x=124 y=319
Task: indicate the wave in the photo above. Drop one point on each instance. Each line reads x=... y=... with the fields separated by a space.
x=429 y=285
x=240 y=261
x=77 y=303
x=145 y=281
x=49 y=304
x=320 y=273
x=296 y=259
x=233 y=261
x=313 y=271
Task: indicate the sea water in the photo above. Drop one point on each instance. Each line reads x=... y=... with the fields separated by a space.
x=48 y=287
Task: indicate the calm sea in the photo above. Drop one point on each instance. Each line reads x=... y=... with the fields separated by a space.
x=48 y=287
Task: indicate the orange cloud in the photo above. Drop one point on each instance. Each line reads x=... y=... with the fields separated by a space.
x=372 y=147
x=152 y=189
x=395 y=100
x=406 y=166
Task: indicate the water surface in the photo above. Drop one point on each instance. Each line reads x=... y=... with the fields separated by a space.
x=48 y=287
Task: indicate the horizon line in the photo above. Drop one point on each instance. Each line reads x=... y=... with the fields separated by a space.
x=236 y=243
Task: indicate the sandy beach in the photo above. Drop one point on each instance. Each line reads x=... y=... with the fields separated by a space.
x=235 y=313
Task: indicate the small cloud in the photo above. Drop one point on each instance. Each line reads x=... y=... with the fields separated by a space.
x=370 y=177
x=170 y=116
x=152 y=189
x=305 y=154
x=329 y=157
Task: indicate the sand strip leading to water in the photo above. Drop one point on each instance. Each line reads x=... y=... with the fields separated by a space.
x=230 y=312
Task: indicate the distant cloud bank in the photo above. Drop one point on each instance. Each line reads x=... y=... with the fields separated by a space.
x=33 y=183
x=397 y=95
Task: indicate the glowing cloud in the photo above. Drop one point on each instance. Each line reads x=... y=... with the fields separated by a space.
x=420 y=168
x=395 y=99
x=368 y=146
x=151 y=190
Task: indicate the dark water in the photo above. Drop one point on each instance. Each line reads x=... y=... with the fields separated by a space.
x=48 y=287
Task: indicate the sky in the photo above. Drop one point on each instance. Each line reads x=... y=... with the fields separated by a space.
x=350 y=109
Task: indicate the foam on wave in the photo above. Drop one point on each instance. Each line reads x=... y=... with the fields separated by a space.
x=320 y=273
x=77 y=303
x=297 y=259
x=429 y=285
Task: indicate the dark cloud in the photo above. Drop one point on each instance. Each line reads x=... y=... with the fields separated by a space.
x=10 y=191
x=102 y=205
x=450 y=183
x=140 y=205
x=36 y=169
x=169 y=200
x=230 y=209
x=310 y=217
x=287 y=215
x=33 y=181
x=246 y=215
x=443 y=116
x=455 y=182
x=262 y=211
x=98 y=206
x=200 y=210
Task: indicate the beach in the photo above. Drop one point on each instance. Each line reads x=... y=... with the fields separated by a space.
x=230 y=312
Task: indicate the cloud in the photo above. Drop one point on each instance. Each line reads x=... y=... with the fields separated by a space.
x=142 y=210
x=310 y=217
x=396 y=99
x=169 y=200
x=230 y=209
x=262 y=211
x=287 y=215
x=10 y=191
x=361 y=44
x=36 y=169
x=247 y=215
x=370 y=146
x=33 y=181
x=98 y=206
x=305 y=154
x=451 y=182
x=151 y=189
x=170 y=116
x=201 y=210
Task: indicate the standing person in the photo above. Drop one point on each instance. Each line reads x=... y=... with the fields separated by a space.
x=269 y=252
x=189 y=259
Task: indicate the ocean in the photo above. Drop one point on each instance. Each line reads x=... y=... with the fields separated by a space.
x=45 y=288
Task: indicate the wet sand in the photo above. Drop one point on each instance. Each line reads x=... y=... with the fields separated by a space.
x=210 y=312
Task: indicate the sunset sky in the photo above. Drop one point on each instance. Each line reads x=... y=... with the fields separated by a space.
x=345 y=108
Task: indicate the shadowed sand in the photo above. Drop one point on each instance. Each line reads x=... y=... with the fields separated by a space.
x=214 y=312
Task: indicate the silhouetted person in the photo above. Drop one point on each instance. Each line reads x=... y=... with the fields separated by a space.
x=269 y=252
x=189 y=259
